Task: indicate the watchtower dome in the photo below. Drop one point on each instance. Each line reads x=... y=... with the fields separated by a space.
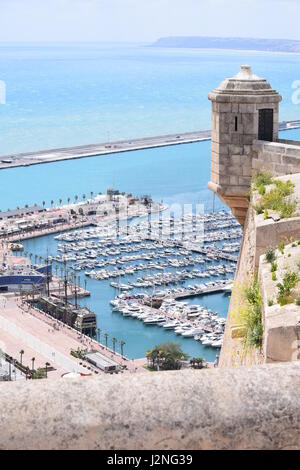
x=244 y=109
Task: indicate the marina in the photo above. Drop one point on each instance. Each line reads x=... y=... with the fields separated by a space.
x=144 y=268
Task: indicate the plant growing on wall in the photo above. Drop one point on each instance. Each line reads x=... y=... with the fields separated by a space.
x=273 y=267
x=261 y=179
x=270 y=255
x=276 y=198
x=252 y=314
x=285 y=287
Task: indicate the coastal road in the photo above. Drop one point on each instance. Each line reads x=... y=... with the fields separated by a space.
x=106 y=148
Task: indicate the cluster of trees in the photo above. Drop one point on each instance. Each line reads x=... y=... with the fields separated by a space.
x=169 y=356
x=166 y=356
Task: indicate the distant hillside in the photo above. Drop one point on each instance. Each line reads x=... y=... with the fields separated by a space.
x=275 y=45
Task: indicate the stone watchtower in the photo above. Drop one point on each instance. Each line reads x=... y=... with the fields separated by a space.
x=244 y=109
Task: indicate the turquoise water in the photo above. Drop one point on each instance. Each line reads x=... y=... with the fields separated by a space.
x=64 y=95
x=175 y=174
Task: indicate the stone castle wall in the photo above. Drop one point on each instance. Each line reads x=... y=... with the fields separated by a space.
x=280 y=158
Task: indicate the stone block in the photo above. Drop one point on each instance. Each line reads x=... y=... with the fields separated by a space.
x=247 y=170
x=248 y=149
x=235 y=149
x=274 y=147
x=248 y=123
x=247 y=108
x=221 y=149
x=235 y=159
x=224 y=180
x=244 y=181
x=223 y=107
x=235 y=170
x=287 y=160
x=235 y=138
x=282 y=169
x=234 y=180
x=248 y=139
x=271 y=157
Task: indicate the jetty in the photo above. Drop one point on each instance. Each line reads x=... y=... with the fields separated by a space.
x=106 y=148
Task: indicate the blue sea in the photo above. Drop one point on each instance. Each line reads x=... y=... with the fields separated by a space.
x=71 y=94
x=65 y=95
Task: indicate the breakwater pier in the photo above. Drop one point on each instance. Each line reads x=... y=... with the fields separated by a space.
x=106 y=148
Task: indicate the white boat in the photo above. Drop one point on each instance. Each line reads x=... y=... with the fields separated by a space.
x=154 y=319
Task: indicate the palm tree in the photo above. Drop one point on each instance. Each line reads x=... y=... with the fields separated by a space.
x=60 y=201
x=114 y=340
x=92 y=194
x=105 y=336
x=21 y=355
x=98 y=334
x=32 y=360
x=76 y=198
x=83 y=197
x=52 y=202
x=122 y=344
x=69 y=199
x=44 y=203
x=46 y=369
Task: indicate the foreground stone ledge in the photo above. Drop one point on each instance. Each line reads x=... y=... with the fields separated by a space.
x=238 y=408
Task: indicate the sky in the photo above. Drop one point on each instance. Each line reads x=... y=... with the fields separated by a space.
x=146 y=20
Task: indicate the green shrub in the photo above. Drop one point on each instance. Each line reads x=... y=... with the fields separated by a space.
x=275 y=199
x=285 y=287
x=297 y=301
x=273 y=267
x=261 y=179
x=258 y=209
x=270 y=255
x=281 y=247
x=274 y=277
x=252 y=315
x=266 y=214
x=262 y=190
x=288 y=209
x=270 y=302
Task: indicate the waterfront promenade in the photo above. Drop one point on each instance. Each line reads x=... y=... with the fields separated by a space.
x=106 y=148
x=23 y=327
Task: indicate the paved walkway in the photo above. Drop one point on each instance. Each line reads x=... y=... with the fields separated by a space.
x=48 y=340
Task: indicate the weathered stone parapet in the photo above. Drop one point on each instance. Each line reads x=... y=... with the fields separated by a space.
x=280 y=158
x=239 y=408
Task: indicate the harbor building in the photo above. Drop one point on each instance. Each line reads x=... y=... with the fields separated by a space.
x=21 y=278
